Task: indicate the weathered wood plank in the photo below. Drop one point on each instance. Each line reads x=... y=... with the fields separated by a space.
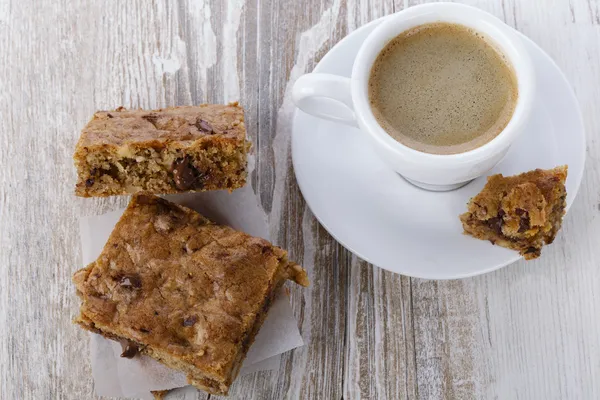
x=380 y=358
x=527 y=331
x=315 y=370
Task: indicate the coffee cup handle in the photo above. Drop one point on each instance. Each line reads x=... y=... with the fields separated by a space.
x=325 y=96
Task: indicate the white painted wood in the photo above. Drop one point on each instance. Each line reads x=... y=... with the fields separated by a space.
x=529 y=331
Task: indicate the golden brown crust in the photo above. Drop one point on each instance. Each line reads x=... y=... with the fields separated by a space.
x=521 y=212
x=171 y=150
x=190 y=293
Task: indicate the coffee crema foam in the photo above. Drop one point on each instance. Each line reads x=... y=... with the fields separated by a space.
x=442 y=88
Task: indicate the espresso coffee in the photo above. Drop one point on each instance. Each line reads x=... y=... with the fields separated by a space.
x=442 y=88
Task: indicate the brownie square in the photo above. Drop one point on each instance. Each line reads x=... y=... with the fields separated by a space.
x=171 y=150
x=179 y=288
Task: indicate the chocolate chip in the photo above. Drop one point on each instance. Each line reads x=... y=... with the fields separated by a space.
x=130 y=351
x=185 y=174
x=155 y=312
x=204 y=126
x=143 y=330
x=501 y=213
x=266 y=249
x=89 y=182
x=190 y=321
x=113 y=172
x=530 y=250
x=94 y=171
x=130 y=281
x=524 y=225
x=109 y=115
x=496 y=224
x=524 y=222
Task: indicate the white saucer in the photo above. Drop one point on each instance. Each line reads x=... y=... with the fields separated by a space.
x=385 y=220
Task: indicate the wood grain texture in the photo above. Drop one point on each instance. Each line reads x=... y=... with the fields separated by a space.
x=528 y=331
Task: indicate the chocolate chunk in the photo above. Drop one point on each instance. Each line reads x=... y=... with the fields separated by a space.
x=496 y=224
x=109 y=115
x=524 y=225
x=89 y=182
x=143 y=330
x=204 y=126
x=94 y=171
x=190 y=321
x=524 y=222
x=185 y=174
x=501 y=213
x=130 y=281
x=267 y=249
x=113 y=172
x=530 y=250
x=130 y=351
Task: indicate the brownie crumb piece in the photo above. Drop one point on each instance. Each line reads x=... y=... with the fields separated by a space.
x=521 y=212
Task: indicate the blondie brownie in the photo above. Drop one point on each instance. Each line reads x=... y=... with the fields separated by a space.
x=171 y=150
x=181 y=289
x=521 y=212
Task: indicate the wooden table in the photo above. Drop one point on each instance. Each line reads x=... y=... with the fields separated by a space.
x=528 y=331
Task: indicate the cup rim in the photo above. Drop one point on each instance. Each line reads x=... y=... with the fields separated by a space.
x=474 y=18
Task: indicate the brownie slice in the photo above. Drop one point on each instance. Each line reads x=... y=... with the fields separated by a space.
x=181 y=289
x=521 y=212
x=171 y=150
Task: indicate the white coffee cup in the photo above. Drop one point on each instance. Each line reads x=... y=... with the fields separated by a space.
x=313 y=93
